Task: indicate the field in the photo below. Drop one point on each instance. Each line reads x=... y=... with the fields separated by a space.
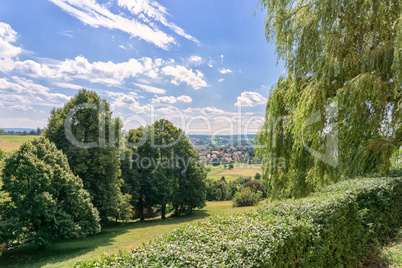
x=11 y=143
x=240 y=170
x=124 y=236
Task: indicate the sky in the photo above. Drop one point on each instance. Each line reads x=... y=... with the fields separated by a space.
x=205 y=65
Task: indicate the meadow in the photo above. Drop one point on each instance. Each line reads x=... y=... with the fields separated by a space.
x=13 y=142
x=239 y=170
x=123 y=236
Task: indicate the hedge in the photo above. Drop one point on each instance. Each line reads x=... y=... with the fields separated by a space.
x=340 y=226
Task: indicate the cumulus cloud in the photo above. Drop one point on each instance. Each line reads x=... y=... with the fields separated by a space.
x=151 y=89
x=225 y=71
x=195 y=60
x=127 y=101
x=164 y=99
x=8 y=36
x=184 y=98
x=93 y=14
x=183 y=75
x=250 y=99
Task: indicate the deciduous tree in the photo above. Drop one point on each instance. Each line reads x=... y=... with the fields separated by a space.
x=46 y=200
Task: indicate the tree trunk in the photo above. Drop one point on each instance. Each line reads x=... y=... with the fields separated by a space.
x=141 y=209
x=163 y=210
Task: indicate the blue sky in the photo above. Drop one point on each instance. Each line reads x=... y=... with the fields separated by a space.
x=205 y=65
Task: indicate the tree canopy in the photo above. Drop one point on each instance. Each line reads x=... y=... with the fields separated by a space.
x=88 y=134
x=162 y=168
x=46 y=200
x=337 y=112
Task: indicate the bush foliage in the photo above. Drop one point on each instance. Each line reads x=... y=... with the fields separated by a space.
x=247 y=197
x=338 y=227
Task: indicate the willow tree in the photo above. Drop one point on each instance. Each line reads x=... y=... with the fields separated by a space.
x=337 y=112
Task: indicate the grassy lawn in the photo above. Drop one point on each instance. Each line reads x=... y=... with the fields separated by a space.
x=11 y=143
x=240 y=170
x=124 y=236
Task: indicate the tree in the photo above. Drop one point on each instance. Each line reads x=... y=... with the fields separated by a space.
x=257 y=176
x=86 y=132
x=163 y=169
x=166 y=138
x=139 y=169
x=47 y=201
x=344 y=79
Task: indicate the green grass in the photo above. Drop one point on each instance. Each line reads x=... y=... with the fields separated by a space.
x=124 y=236
x=390 y=256
x=11 y=142
x=240 y=170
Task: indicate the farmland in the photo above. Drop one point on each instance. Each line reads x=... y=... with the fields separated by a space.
x=239 y=170
x=11 y=142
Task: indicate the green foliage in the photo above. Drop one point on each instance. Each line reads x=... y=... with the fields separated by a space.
x=338 y=227
x=98 y=165
x=343 y=69
x=47 y=201
x=247 y=197
x=163 y=168
x=3 y=154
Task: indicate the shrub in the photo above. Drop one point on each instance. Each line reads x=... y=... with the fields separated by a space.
x=247 y=197
x=338 y=227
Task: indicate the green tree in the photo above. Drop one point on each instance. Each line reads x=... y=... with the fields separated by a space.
x=47 y=201
x=166 y=138
x=344 y=79
x=139 y=169
x=163 y=169
x=90 y=137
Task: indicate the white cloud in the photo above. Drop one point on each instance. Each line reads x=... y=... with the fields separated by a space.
x=250 y=99
x=8 y=36
x=67 y=85
x=186 y=99
x=1 y=105
x=22 y=94
x=221 y=80
x=21 y=108
x=127 y=101
x=92 y=13
x=195 y=60
x=164 y=99
x=96 y=15
x=225 y=71
x=148 y=10
x=151 y=89
x=182 y=74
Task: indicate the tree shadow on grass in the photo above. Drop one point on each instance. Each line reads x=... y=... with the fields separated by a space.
x=58 y=252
